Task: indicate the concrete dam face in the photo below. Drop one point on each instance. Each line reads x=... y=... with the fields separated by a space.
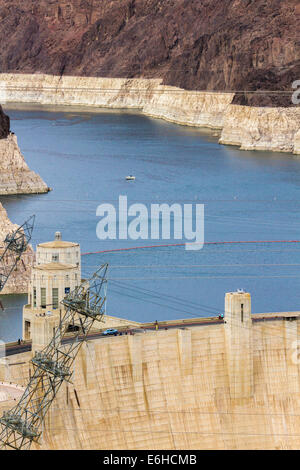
x=232 y=385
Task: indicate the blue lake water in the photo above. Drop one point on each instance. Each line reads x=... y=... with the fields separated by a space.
x=85 y=155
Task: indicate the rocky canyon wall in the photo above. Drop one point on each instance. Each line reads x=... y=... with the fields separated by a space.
x=251 y=128
x=297 y=143
x=249 y=46
x=4 y=124
x=15 y=178
x=18 y=281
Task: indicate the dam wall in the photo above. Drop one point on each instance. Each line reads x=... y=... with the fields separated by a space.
x=171 y=389
x=248 y=127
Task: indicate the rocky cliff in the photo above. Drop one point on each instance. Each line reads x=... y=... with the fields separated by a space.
x=15 y=176
x=18 y=281
x=249 y=127
x=233 y=45
x=253 y=128
x=182 y=60
x=4 y=124
x=6 y=225
x=297 y=143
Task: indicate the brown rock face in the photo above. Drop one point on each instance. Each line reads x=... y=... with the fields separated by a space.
x=19 y=278
x=232 y=45
x=4 y=124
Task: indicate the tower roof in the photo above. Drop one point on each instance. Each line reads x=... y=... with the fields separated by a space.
x=57 y=244
x=55 y=266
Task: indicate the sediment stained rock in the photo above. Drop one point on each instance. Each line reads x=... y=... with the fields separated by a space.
x=251 y=128
x=228 y=45
x=18 y=281
x=276 y=129
x=15 y=176
x=246 y=48
x=297 y=143
x=4 y=124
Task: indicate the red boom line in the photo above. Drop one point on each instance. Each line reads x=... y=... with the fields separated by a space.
x=182 y=244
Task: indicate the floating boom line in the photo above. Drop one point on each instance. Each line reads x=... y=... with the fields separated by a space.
x=22 y=425
x=167 y=245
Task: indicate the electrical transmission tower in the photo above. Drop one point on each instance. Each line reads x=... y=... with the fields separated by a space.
x=53 y=365
x=15 y=244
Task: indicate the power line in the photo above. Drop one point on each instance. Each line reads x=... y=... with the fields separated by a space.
x=201 y=307
x=165 y=296
x=174 y=309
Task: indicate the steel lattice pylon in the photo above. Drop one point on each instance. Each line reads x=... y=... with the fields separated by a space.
x=15 y=245
x=23 y=423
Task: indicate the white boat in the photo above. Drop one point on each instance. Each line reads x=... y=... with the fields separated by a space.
x=130 y=177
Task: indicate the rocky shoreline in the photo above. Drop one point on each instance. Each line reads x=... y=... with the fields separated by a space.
x=251 y=128
x=15 y=178
x=18 y=281
x=15 y=175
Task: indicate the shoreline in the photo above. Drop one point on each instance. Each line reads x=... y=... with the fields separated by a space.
x=249 y=128
x=16 y=176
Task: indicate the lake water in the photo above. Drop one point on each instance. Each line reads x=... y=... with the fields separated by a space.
x=85 y=155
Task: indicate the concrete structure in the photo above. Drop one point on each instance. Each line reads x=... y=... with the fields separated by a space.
x=214 y=385
x=57 y=271
x=238 y=335
x=10 y=391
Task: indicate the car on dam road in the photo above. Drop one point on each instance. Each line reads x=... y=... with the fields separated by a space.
x=110 y=331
